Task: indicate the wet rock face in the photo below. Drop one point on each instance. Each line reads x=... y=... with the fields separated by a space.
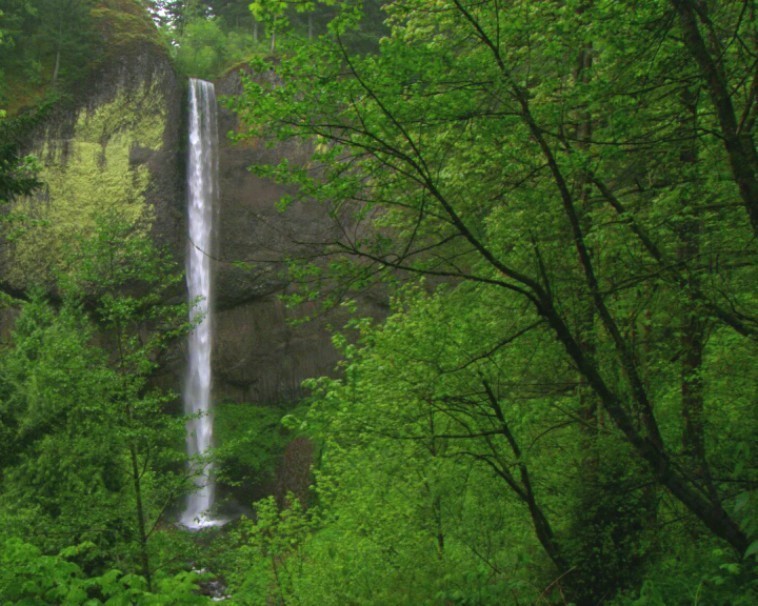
x=150 y=70
x=115 y=150
x=258 y=355
x=260 y=358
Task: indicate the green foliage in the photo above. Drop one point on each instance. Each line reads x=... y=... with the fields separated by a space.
x=610 y=538
x=687 y=576
x=89 y=453
x=270 y=553
x=28 y=577
x=408 y=509
x=201 y=50
x=205 y=50
x=126 y=26
x=563 y=411
x=49 y=44
x=47 y=376
x=566 y=177
x=211 y=37
x=18 y=173
x=251 y=439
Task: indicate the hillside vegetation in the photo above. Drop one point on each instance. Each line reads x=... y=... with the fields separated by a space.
x=559 y=201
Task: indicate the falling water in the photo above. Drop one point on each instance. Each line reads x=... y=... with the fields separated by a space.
x=202 y=188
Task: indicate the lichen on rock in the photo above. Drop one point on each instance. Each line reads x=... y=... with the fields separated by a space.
x=99 y=169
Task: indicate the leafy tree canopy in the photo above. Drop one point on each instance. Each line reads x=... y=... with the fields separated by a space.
x=580 y=176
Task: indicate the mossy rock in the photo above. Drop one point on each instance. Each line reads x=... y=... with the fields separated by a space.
x=98 y=169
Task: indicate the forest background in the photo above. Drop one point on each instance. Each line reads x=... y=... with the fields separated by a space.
x=560 y=201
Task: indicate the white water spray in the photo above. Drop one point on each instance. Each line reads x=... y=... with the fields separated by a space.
x=202 y=195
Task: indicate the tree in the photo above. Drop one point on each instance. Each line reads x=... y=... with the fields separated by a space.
x=89 y=453
x=202 y=50
x=30 y=577
x=459 y=143
x=428 y=491
x=65 y=25
x=426 y=455
x=18 y=173
x=736 y=134
x=53 y=38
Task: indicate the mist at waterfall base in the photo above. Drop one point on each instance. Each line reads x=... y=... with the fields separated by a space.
x=202 y=196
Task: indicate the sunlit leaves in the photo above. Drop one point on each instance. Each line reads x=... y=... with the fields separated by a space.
x=555 y=163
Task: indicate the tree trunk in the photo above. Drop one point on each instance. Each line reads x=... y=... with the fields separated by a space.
x=524 y=489
x=693 y=328
x=56 y=68
x=740 y=149
x=144 y=556
x=710 y=512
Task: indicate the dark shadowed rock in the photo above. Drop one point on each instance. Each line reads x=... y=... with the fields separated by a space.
x=294 y=475
x=259 y=356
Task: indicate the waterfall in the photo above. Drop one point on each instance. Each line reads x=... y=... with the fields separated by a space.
x=202 y=194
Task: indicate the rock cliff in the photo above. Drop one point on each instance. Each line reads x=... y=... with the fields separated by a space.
x=117 y=149
x=120 y=147
x=259 y=355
